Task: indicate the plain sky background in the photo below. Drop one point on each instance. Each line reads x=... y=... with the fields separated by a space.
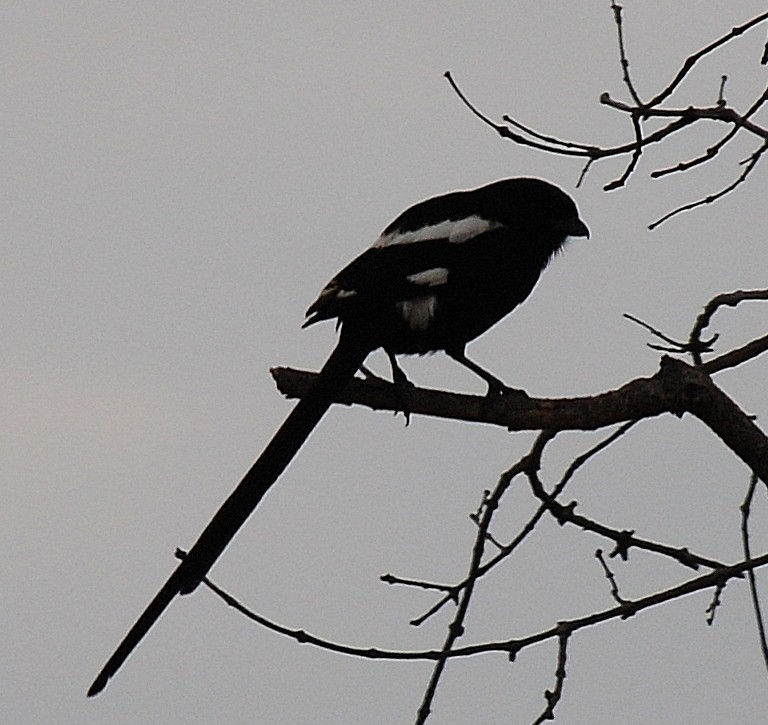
x=178 y=182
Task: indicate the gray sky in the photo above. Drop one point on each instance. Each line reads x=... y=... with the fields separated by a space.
x=178 y=183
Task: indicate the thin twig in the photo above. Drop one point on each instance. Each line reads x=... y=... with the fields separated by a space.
x=746 y=509
x=691 y=61
x=715 y=149
x=553 y=140
x=751 y=162
x=418 y=584
x=505 y=132
x=725 y=299
x=673 y=346
x=624 y=540
x=456 y=627
x=511 y=646
x=611 y=577
x=508 y=549
x=637 y=152
x=553 y=696
x=714 y=605
x=623 y=59
x=639 y=112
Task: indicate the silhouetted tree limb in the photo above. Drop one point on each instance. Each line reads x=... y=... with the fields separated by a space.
x=511 y=646
x=640 y=112
x=676 y=388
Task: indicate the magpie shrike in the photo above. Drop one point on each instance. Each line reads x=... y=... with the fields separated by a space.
x=441 y=274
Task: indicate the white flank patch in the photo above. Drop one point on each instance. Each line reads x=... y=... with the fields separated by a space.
x=456 y=231
x=418 y=313
x=429 y=277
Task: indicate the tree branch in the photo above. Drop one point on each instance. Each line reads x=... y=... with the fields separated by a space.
x=511 y=646
x=676 y=388
x=639 y=112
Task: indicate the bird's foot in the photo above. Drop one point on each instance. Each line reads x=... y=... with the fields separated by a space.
x=401 y=385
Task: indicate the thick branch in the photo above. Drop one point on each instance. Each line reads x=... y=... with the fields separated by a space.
x=676 y=388
x=717 y=411
x=641 y=398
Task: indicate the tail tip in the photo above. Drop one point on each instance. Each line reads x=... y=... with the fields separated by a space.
x=98 y=685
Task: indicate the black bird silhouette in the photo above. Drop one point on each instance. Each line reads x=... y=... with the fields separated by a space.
x=441 y=274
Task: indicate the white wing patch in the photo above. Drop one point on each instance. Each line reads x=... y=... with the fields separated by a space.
x=464 y=229
x=455 y=231
x=418 y=313
x=429 y=277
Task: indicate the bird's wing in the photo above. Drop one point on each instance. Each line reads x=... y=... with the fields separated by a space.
x=403 y=264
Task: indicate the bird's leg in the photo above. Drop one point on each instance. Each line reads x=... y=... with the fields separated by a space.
x=495 y=386
x=401 y=382
x=398 y=374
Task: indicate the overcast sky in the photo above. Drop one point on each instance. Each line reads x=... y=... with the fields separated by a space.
x=179 y=180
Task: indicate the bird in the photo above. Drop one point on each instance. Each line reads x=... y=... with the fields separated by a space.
x=440 y=275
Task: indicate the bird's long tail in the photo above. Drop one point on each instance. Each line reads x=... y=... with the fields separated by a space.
x=344 y=361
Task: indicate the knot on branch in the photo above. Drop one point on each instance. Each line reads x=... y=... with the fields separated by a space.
x=562 y=514
x=624 y=542
x=685 y=386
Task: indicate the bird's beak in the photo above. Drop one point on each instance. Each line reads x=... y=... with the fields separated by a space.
x=576 y=228
x=571 y=227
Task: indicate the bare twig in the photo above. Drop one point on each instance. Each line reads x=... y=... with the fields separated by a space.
x=691 y=60
x=637 y=152
x=639 y=111
x=611 y=577
x=508 y=549
x=714 y=605
x=565 y=148
x=623 y=59
x=721 y=92
x=490 y=505
x=746 y=508
x=552 y=140
x=623 y=540
x=676 y=347
x=512 y=646
x=736 y=357
x=714 y=150
x=751 y=162
x=726 y=299
x=417 y=584
x=623 y=611
x=696 y=347
x=553 y=696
